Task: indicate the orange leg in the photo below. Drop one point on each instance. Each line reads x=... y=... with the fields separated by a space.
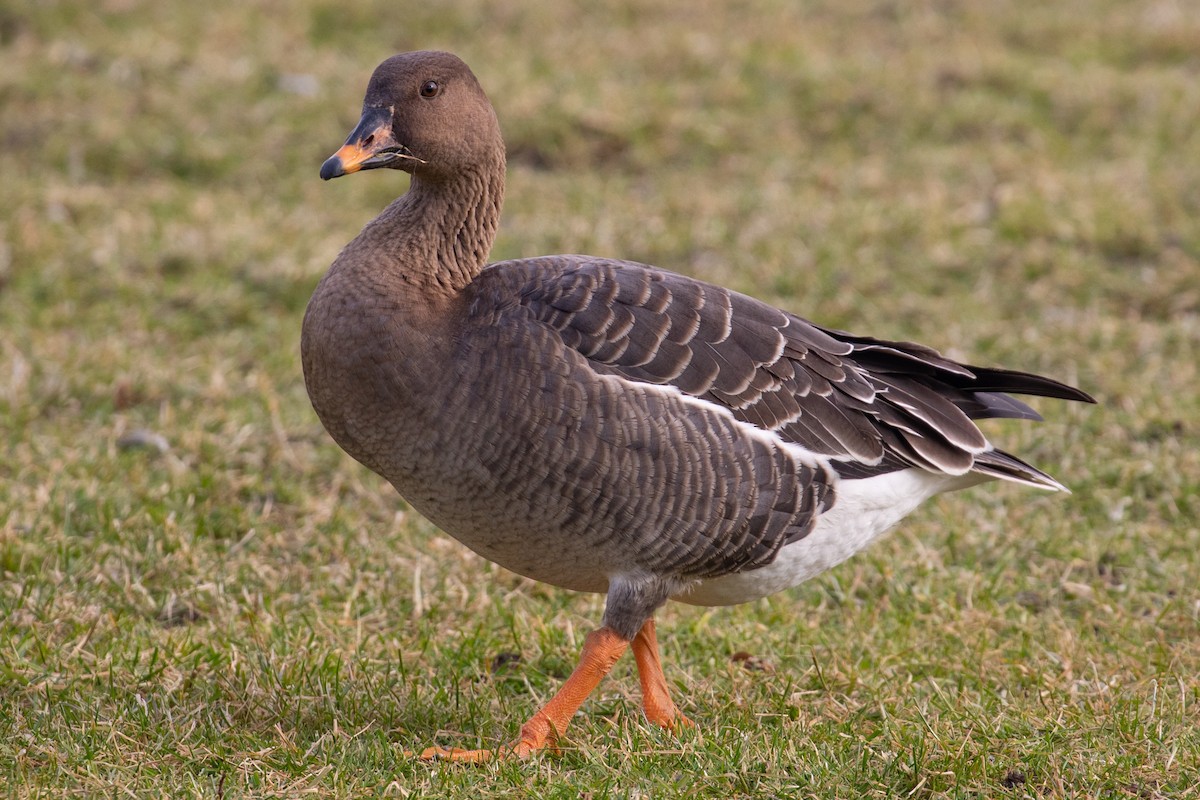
x=656 y=700
x=601 y=650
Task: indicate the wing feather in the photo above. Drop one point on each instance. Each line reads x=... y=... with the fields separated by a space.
x=870 y=404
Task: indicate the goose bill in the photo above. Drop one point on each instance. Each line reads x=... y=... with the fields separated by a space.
x=370 y=145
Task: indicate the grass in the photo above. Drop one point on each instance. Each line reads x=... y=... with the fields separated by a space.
x=248 y=613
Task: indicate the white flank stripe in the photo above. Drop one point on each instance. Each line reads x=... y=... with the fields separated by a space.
x=798 y=453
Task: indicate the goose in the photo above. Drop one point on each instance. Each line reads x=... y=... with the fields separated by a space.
x=607 y=426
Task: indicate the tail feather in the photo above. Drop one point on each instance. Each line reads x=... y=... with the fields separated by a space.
x=1006 y=466
x=995 y=405
x=909 y=371
x=992 y=379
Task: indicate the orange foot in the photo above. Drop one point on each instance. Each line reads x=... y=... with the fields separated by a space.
x=518 y=749
x=656 y=699
x=601 y=650
x=536 y=735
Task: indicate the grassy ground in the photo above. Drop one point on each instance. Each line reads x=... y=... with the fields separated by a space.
x=245 y=612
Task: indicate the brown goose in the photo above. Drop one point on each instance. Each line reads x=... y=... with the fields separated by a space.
x=606 y=426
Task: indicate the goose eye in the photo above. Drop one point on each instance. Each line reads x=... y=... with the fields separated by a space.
x=430 y=89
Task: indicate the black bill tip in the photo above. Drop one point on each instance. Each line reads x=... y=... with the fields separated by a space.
x=332 y=168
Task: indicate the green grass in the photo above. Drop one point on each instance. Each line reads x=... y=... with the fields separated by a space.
x=251 y=614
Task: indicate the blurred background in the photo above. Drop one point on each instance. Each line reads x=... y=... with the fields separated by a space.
x=199 y=594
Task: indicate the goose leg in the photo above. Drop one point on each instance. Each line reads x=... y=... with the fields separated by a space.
x=601 y=650
x=656 y=699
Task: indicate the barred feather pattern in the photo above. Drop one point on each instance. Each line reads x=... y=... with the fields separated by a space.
x=653 y=479
x=870 y=405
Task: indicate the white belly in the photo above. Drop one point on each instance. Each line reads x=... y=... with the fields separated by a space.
x=864 y=509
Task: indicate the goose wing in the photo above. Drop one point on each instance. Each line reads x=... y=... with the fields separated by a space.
x=870 y=405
